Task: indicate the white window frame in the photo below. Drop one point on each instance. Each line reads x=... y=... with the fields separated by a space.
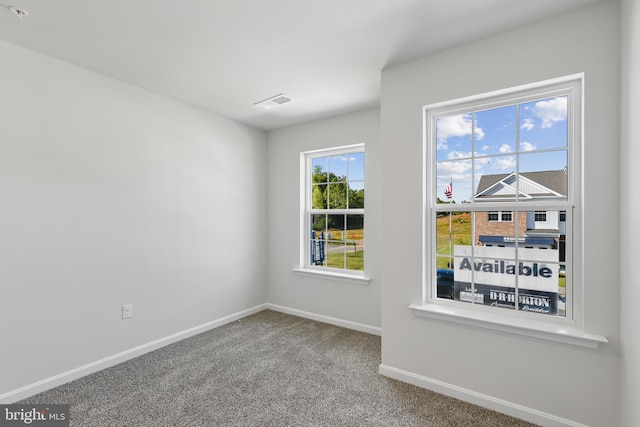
x=569 y=329
x=500 y=216
x=305 y=267
x=542 y=214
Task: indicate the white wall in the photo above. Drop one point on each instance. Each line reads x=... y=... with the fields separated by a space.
x=112 y=195
x=562 y=382
x=630 y=212
x=346 y=301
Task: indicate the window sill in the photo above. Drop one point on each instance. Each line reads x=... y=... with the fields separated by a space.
x=549 y=331
x=330 y=275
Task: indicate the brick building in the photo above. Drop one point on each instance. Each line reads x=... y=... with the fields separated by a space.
x=532 y=229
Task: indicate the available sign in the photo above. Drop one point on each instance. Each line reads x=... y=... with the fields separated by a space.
x=496 y=274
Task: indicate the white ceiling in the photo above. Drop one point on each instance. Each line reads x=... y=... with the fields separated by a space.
x=224 y=55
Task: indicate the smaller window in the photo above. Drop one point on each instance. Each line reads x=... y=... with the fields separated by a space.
x=540 y=216
x=333 y=237
x=500 y=216
x=563 y=216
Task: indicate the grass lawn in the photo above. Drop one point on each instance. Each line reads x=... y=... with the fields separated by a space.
x=355 y=260
x=460 y=234
x=348 y=235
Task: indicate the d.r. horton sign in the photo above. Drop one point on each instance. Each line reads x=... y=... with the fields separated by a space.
x=494 y=272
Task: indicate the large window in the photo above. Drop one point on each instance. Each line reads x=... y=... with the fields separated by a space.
x=508 y=166
x=334 y=210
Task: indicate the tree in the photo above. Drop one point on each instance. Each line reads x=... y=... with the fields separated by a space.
x=330 y=191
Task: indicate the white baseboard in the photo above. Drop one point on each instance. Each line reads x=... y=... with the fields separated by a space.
x=373 y=330
x=65 y=377
x=489 y=402
x=74 y=374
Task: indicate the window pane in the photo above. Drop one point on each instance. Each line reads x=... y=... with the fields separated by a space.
x=319 y=196
x=335 y=241
x=356 y=194
x=453 y=136
x=495 y=131
x=507 y=216
x=535 y=162
x=544 y=176
x=338 y=168
x=318 y=223
x=319 y=169
x=336 y=256
x=354 y=238
x=317 y=240
x=505 y=163
x=338 y=196
x=456 y=174
x=335 y=226
x=451 y=229
x=356 y=167
x=543 y=124
x=495 y=187
x=538 y=279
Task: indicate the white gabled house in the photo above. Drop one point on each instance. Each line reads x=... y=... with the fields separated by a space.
x=536 y=228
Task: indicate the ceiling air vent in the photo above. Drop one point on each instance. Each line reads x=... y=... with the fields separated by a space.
x=19 y=12
x=273 y=101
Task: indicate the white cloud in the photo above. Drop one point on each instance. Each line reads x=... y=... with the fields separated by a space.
x=347 y=158
x=527 y=146
x=457 y=169
x=551 y=111
x=527 y=124
x=505 y=148
x=485 y=147
x=442 y=145
x=502 y=163
x=455 y=155
x=460 y=125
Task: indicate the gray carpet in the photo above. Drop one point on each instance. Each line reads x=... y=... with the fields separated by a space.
x=268 y=369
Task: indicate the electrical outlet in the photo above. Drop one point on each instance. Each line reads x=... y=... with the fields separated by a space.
x=127 y=311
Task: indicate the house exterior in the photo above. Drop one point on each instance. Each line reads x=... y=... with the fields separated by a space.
x=532 y=229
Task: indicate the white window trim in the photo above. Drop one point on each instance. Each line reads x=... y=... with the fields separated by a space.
x=304 y=269
x=546 y=330
x=569 y=330
x=333 y=275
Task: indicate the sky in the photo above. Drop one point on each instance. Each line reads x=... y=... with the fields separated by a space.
x=526 y=137
x=348 y=165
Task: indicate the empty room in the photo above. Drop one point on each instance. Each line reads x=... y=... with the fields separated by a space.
x=349 y=213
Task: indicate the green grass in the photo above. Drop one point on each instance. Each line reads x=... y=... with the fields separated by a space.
x=348 y=235
x=355 y=260
x=460 y=235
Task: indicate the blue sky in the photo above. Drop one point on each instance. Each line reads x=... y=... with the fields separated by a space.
x=350 y=165
x=531 y=136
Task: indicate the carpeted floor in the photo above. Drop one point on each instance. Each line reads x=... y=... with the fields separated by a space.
x=268 y=369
